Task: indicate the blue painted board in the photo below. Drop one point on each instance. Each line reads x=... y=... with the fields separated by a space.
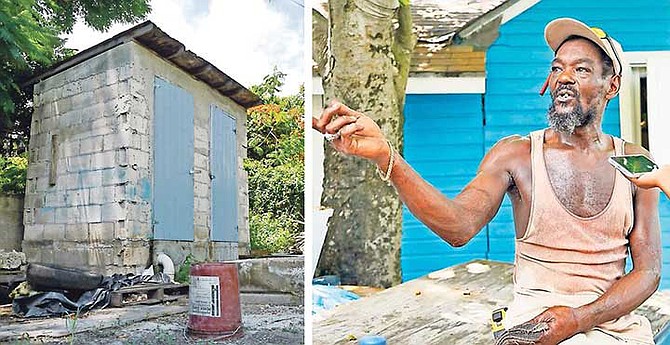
x=444 y=143
x=224 y=176
x=173 y=196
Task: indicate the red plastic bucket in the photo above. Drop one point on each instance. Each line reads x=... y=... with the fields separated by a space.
x=214 y=301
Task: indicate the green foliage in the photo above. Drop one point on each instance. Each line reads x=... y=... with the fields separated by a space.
x=275 y=165
x=13 y=174
x=275 y=129
x=26 y=39
x=272 y=233
x=276 y=189
x=99 y=15
x=183 y=274
x=29 y=43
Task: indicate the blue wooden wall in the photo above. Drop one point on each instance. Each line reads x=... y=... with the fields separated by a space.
x=517 y=65
x=444 y=142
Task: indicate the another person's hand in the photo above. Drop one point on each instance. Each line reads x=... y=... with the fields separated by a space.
x=356 y=134
x=657 y=178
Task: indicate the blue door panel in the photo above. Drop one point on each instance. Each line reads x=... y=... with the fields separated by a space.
x=224 y=173
x=173 y=161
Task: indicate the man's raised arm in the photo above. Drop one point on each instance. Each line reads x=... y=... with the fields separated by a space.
x=454 y=220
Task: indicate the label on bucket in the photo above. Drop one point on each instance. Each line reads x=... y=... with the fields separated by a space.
x=204 y=296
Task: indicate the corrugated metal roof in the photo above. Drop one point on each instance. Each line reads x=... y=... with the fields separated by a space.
x=152 y=37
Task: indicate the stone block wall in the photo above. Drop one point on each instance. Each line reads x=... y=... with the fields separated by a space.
x=11 y=222
x=80 y=207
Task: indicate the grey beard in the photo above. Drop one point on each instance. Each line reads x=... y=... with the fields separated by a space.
x=568 y=121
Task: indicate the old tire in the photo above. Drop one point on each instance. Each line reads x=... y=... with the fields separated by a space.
x=61 y=278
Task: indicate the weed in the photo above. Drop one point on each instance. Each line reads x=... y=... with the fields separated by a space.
x=71 y=321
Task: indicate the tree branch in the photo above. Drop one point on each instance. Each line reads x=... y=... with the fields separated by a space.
x=403 y=46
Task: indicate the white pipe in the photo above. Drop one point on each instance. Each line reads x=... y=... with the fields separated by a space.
x=168 y=266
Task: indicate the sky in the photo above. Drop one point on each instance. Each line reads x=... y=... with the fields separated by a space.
x=243 y=38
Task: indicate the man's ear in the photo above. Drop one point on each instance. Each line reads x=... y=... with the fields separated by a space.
x=614 y=86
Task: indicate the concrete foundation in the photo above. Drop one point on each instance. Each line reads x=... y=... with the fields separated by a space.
x=274 y=280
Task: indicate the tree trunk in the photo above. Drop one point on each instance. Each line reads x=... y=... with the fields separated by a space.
x=362 y=70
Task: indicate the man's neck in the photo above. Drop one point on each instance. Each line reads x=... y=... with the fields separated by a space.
x=585 y=138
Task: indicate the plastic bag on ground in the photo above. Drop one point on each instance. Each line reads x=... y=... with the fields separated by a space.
x=59 y=302
x=326 y=297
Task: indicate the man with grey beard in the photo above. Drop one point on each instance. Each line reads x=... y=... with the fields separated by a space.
x=567 y=122
x=576 y=219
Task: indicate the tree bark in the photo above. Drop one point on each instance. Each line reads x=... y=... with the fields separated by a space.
x=363 y=241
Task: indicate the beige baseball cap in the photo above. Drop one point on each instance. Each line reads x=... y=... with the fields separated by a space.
x=558 y=30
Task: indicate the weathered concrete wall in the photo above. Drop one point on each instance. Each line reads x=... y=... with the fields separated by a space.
x=11 y=223
x=275 y=280
x=147 y=66
x=276 y=274
x=77 y=210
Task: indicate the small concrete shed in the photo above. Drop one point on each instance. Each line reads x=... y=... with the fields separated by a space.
x=136 y=148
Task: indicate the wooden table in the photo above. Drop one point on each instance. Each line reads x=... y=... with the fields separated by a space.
x=450 y=306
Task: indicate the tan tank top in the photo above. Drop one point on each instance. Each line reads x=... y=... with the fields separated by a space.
x=565 y=253
x=565 y=259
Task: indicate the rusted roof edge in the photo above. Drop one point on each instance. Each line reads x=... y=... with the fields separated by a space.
x=138 y=33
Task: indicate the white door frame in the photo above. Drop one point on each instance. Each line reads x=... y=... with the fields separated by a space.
x=657 y=64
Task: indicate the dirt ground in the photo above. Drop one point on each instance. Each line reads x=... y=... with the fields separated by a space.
x=262 y=324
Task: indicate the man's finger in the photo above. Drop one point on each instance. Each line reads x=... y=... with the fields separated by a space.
x=337 y=124
x=344 y=110
x=351 y=129
x=327 y=115
x=335 y=108
x=315 y=123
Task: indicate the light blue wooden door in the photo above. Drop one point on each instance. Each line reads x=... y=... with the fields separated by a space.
x=173 y=161
x=224 y=176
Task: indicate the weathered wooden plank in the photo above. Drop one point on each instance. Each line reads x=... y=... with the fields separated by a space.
x=458 y=68
x=13 y=331
x=450 y=306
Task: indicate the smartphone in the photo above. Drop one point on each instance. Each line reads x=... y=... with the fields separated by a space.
x=633 y=165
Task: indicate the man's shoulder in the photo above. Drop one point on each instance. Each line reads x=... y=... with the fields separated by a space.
x=514 y=145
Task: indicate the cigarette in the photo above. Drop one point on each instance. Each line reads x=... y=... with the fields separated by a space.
x=330 y=137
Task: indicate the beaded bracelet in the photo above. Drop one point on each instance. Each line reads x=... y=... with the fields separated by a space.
x=386 y=176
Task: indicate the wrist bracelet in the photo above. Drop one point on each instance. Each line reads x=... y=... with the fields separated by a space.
x=386 y=176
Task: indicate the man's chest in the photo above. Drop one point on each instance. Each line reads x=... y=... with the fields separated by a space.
x=583 y=187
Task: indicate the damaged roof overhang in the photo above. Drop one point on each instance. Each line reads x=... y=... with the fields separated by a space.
x=152 y=37
x=449 y=22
